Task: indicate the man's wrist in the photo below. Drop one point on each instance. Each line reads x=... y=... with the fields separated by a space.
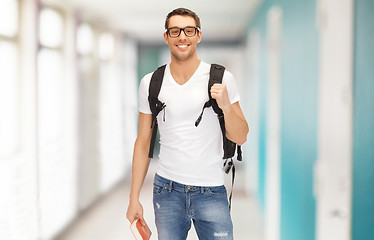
x=134 y=197
x=228 y=109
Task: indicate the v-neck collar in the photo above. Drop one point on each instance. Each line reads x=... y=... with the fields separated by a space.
x=188 y=81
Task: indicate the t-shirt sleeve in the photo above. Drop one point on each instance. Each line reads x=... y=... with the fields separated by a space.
x=232 y=88
x=143 y=94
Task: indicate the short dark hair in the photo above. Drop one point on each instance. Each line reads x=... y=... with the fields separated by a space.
x=182 y=12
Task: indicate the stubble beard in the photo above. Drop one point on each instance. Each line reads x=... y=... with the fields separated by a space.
x=183 y=57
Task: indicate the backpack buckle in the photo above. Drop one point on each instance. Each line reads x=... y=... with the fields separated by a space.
x=227 y=165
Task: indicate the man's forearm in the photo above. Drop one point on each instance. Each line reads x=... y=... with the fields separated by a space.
x=140 y=166
x=236 y=125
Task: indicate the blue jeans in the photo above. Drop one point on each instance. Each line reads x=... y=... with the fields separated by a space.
x=176 y=204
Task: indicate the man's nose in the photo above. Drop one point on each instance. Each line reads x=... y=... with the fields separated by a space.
x=182 y=34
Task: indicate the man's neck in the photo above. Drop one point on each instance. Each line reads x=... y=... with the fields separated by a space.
x=182 y=71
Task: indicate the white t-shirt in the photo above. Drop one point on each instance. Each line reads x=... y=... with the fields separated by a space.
x=189 y=155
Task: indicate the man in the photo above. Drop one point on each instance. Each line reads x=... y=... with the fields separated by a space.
x=189 y=180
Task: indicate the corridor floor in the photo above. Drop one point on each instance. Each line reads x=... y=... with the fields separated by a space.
x=106 y=219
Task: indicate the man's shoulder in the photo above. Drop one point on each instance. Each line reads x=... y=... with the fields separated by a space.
x=147 y=78
x=149 y=75
x=227 y=75
x=145 y=81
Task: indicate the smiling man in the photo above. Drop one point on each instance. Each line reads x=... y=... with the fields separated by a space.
x=188 y=185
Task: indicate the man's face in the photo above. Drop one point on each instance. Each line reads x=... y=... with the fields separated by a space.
x=182 y=47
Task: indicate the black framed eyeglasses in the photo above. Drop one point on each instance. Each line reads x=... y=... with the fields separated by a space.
x=174 y=32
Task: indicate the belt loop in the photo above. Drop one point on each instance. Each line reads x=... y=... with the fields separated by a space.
x=202 y=189
x=170 y=185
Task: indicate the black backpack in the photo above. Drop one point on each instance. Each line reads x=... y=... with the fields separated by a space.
x=216 y=75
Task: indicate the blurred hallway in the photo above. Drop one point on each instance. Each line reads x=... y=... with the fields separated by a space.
x=69 y=78
x=106 y=218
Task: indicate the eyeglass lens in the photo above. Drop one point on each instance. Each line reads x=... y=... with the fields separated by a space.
x=188 y=31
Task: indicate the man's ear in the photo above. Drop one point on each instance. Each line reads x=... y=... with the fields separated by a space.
x=199 y=37
x=166 y=38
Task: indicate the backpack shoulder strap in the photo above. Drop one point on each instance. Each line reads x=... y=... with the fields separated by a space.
x=156 y=82
x=155 y=104
x=215 y=76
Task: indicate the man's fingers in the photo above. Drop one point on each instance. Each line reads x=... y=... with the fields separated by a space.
x=217 y=88
x=214 y=95
x=134 y=212
x=141 y=219
x=129 y=217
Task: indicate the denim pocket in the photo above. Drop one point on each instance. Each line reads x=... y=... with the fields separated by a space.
x=218 y=192
x=158 y=190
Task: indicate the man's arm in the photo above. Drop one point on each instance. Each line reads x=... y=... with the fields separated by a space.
x=140 y=166
x=235 y=123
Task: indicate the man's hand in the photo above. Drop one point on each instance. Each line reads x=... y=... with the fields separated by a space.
x=135 y=210
x=219 y=93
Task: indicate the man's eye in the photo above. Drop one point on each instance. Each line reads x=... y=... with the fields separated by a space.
x=174 y=31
